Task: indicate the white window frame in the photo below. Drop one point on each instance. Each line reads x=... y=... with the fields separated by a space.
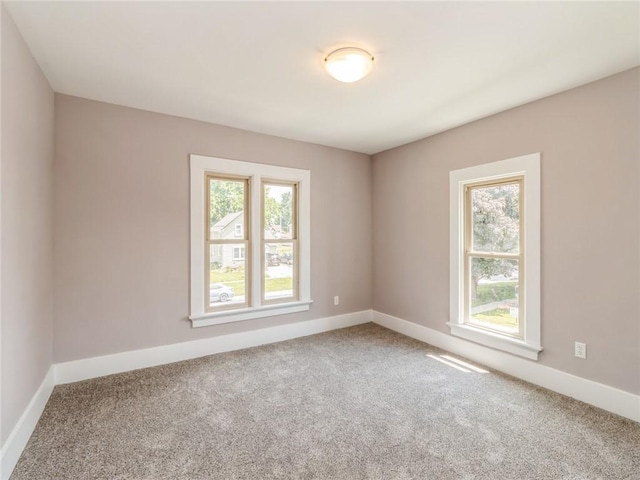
x=527 y=166
x=238 y=230
x=200 y=165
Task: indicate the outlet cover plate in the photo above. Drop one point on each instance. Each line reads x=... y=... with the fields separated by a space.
x=581 y=350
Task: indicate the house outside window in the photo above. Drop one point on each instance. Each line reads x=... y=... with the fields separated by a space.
x=226 y=228
x=253 y=259
x=495 y=255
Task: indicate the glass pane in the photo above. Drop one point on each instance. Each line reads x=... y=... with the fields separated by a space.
x=496 y=218
x=494 y=294
x=279 y=218
x=226 y=205
x=279 y=267
x=227 y=274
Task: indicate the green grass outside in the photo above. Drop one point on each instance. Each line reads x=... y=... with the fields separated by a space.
x=235 y=280
x=278 y=284
x=498 y=316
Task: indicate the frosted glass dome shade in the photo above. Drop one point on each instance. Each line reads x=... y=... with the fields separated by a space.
x=348 y=64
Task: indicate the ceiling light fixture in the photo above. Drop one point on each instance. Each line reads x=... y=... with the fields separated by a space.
x=348 y=64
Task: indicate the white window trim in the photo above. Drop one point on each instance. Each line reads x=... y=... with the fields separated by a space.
x=529 y=167
x=199 y=165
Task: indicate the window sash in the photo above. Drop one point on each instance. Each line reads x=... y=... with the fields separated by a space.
x=293 y=241
x=244 y=239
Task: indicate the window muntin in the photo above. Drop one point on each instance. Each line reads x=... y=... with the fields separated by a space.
x=494 y=255
x=227 y=207
x=279 y=241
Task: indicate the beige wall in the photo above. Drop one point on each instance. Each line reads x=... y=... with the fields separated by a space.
x=121 y=233
x=26 y=180
x=588 y=138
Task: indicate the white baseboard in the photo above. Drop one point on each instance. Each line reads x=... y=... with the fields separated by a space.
x=149 y=357
x=19 y=436
x=608 y=398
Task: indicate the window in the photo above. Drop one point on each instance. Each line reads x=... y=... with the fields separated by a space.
x=253 y=258
x=238 y=253
x=495 y=254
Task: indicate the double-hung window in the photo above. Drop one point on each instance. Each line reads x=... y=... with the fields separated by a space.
x=250 y=245
x=495 y=254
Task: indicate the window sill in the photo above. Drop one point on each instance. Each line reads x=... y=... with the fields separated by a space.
x=495 y=340
x=241 y=314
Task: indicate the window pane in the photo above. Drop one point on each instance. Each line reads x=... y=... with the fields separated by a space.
x=279 y=267
x=496 y=218
x=227 y=275
x=226 y=205
x=493 y=291
x=279 y=217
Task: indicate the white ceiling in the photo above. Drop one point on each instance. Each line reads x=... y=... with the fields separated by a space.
x=258 y=65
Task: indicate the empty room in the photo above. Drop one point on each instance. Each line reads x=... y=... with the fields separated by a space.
x=320 y=240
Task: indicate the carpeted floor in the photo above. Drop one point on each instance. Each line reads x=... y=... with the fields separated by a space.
x=358 y=403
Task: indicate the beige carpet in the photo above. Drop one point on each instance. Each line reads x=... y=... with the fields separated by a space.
x=358 y=403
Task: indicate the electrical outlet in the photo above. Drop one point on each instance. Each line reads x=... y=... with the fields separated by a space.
x=336 y=300
x=581 y=350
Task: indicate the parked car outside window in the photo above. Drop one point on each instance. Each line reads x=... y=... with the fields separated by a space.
x=273 y=259
x=220 y=293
